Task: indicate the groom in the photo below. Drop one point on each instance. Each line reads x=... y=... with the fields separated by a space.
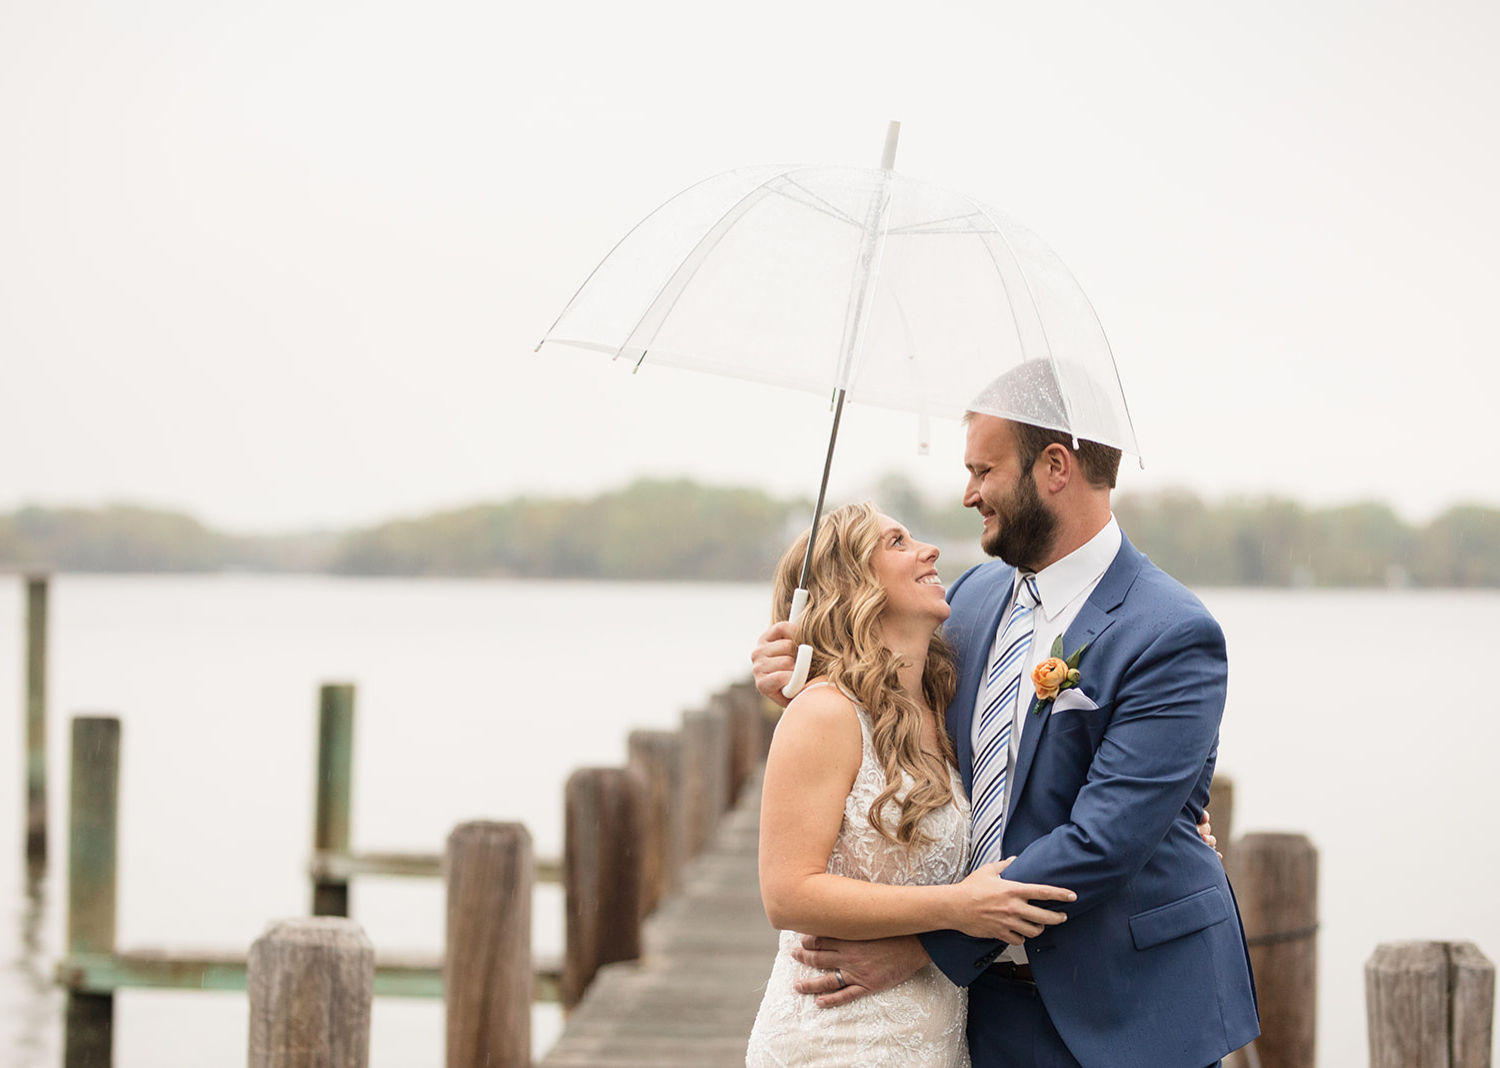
x=1096 y=789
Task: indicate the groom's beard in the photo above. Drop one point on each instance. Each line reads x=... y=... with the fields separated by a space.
x=1024 y=528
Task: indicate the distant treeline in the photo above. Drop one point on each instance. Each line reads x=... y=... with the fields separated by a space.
x=680 y=530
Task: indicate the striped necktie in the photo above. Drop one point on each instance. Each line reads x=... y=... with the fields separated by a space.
x=996 y=717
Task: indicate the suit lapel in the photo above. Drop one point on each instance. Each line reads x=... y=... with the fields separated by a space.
x=1093 y=619
x=985 y=623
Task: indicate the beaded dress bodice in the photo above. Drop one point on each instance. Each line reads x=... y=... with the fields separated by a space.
x=917 y=1023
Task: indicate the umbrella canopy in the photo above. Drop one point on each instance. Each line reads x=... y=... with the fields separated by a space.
x=828 y=279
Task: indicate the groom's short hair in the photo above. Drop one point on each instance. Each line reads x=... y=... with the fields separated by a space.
x=1027 y=395
x=1100 y=464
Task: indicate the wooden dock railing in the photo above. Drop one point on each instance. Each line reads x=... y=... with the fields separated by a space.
x=627 y=830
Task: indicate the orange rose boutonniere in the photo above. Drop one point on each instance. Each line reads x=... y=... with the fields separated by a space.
x=1056 y=674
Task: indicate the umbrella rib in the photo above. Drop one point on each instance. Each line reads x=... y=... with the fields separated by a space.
x=1030 y=296
x=1062 y=393
x=949 y=225
x=820 y=203
x=616 y=247
x=732 y=215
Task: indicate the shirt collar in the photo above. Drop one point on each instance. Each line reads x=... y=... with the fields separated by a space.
x=1062 y=581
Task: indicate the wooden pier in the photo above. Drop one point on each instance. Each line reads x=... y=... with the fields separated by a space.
x=691 y=998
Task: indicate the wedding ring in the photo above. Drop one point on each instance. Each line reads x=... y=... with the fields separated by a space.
x=838 y=973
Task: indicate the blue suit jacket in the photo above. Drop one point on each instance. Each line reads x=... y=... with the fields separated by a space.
x=1151 y=968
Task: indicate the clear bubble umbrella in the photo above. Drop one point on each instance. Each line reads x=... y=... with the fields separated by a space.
x=862 y=285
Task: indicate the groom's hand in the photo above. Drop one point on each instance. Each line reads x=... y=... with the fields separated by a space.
x=773 y=660
x=866 y=967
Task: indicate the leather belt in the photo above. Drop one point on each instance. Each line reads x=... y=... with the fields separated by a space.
x=1008 y=969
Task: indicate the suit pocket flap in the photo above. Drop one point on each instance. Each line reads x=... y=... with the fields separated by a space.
x=1181 y=917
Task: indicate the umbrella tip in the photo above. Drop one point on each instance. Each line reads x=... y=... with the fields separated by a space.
x=888 y=157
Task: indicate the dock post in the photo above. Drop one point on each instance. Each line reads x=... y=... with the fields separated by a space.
x=93 y=812
x=334 y=794
x=657 y=755
x=746 y=729
x=311 y=983
x=1429 y=1005
x=1275 y=878
x=36 y=722
x=487 y=975
x=1221 y=809
x=604 y=826
x=705 y=758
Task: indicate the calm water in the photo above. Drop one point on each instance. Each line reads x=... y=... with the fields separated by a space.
x=476 y=699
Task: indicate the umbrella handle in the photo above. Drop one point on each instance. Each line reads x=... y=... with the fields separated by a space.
x=804 y=652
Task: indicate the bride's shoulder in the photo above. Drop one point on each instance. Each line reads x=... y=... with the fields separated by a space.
x=823 y=708
x=820 y=697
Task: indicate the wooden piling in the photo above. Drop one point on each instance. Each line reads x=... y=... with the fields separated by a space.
x=746 y=726
x=334 y=794
x=1275 y=878
x=311 y=982
x=487 y=974
x=605 y=810
x=1429 y=1005
x=705 y=771
x=657 y=755
x=93 y=812
x=36 y=722
x=1221 y=810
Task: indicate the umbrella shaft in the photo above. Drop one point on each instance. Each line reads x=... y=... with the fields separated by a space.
x=812 y=537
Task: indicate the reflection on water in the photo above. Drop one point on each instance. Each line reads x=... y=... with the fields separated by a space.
x=38 y=1005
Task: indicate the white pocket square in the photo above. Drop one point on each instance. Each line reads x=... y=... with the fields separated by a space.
x=1072 y=700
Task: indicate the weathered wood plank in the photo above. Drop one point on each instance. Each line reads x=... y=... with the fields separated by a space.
x=311 y=986
x=36 y=722
x=708 y=949
x=335 y=792
x=1276 y=880
x=605 y=817
x=397 y=975
x=1429 y=1005
x=93 y=845
x=326 y=865
x=487 y=972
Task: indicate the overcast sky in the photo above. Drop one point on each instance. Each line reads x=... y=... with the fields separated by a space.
x=283 y=265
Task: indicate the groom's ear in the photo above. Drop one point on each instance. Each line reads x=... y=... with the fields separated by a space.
x=1055 y=468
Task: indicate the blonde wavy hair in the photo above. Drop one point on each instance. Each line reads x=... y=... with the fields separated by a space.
x=845 y=600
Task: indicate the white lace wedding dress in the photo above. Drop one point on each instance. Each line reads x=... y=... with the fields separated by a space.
x=917 y=1024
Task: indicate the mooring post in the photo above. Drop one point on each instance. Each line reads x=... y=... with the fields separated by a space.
x=311 y=983
x=93 y=812
x=1429 y=1005
x=334 y=794
x=747 y=733
x=1221 y=811
x=604 y=824
x=658 y=756
x=705 y=759
x=1275 y=878
x=36 y=721
x=489 y=869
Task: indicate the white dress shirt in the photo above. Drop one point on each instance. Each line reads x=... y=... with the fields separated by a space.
x=1064 y=587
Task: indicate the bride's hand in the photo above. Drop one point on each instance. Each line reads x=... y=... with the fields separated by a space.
x=994 y=907
x=1206 y=832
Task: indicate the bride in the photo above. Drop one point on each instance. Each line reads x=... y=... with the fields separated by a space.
x=864 y=827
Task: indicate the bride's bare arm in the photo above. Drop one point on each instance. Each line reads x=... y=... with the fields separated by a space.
x=814 y=758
